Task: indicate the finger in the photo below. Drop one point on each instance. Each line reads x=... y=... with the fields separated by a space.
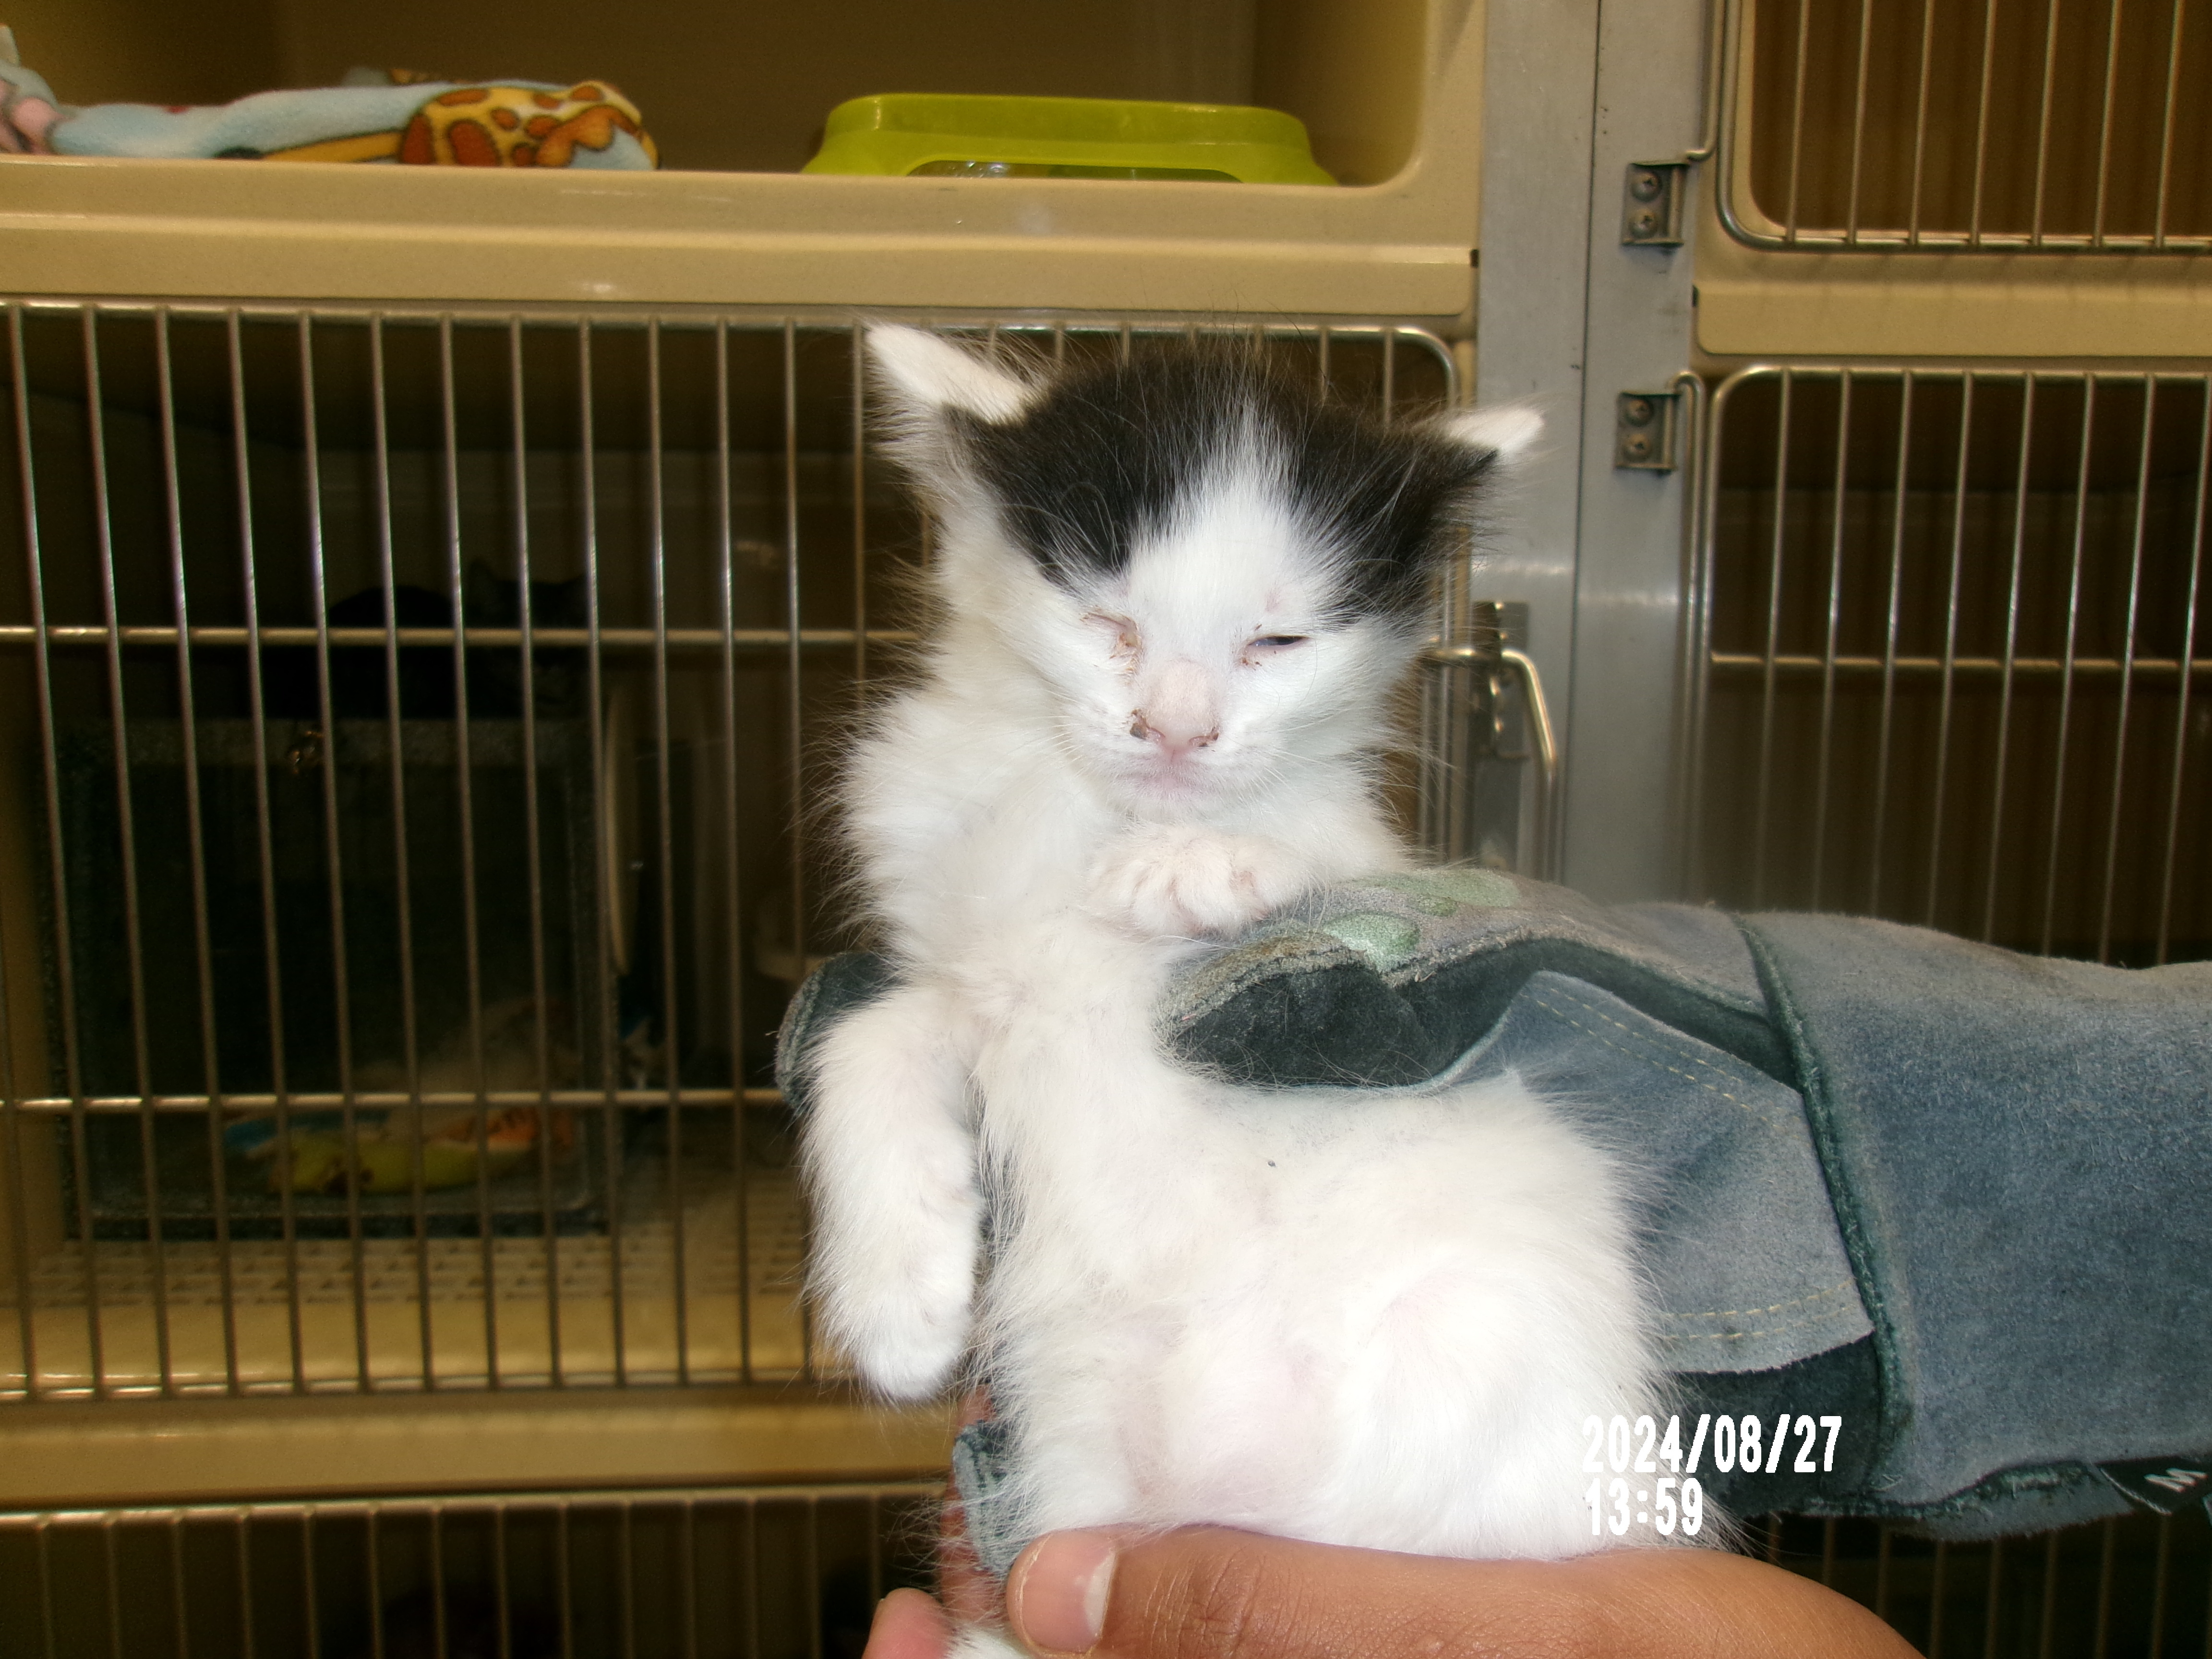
x=1059 y=1589
x=1211 y=1594
x=1207 y=1593
x=909 y=1626
x=971 y=1595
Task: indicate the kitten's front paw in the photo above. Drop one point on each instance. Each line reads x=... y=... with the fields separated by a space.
x=897 y=1212
x=1177 y=883
x=903 y=1320
x=907 y=1355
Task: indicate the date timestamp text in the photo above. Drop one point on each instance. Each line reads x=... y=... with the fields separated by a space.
x=1676 y=1500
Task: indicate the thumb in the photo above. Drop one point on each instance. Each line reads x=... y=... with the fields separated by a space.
x=1207 y=1593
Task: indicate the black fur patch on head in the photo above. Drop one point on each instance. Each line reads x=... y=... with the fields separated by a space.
x=1108 y=454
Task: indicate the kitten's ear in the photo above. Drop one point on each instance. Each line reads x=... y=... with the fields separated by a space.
x=929 y=377
x=1509 y=431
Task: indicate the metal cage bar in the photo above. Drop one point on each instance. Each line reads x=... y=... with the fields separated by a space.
x=681 y=1573
x=1929 y=688
x=1813 y=154
x=2135 y=1584
x=440 y=688
x=721 y=1572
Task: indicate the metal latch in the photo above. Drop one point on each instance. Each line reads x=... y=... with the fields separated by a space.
x=1504 y=700
x=1652 y=206
x=1643 y=425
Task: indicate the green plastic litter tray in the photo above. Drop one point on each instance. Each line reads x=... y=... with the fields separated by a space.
x=949 y=136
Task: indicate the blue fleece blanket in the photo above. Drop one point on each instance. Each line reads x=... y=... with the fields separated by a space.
x=373 y=117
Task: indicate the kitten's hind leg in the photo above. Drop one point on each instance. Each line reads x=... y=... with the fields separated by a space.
x=898 y=1205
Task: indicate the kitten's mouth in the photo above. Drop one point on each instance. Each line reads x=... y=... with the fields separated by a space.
x=1182 y=777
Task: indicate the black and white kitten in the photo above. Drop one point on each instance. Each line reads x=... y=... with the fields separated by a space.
x=1176 y=595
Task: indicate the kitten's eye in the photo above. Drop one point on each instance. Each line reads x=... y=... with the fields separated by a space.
x=1122 y=630
x=1269 y=645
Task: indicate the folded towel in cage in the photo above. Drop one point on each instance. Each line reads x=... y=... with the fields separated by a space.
x=390 y=1152
x=1951 y=1194
x=374 y=117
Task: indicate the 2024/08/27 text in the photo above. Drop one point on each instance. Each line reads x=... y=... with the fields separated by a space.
x=1677 y=1500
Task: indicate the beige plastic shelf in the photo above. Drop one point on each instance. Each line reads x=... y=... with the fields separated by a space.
x=1756 y=302
x=398 y=1435
x=1390 y=87
x=65 y=1455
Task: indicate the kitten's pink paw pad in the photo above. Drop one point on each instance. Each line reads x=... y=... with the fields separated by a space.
x=1194 y=882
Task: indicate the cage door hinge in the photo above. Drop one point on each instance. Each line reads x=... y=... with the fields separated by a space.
x=1644 y=431
x=1651 y=204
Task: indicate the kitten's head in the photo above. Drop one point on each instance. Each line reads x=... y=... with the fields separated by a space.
x=558 y=674
x=491 y=600
x=1212 y=578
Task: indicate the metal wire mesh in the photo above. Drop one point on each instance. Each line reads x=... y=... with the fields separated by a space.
x=766 y=1573
x=418 y=717
x=2049 y=124
x=2136 y=1586
x=780 y=1572
x=1954 y=626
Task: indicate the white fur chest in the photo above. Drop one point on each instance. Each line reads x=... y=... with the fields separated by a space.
x=1358 y=1318
x=963 y=818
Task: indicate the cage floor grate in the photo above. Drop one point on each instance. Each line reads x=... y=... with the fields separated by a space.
x=430 y=1308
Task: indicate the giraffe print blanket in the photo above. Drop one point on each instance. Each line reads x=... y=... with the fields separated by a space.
x=378 y=117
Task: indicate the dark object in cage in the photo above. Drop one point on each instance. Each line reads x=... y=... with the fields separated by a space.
x=291 y=688
x=391 y=934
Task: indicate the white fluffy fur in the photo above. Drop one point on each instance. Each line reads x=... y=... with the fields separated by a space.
x=1509 y=430
x=1377 y=1319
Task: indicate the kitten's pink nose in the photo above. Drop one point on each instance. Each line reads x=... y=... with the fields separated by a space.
x=1170 y=741
x=1179 y=714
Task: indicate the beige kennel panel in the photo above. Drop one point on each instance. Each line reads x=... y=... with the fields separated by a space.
x=283 y=881
x=1390 y=90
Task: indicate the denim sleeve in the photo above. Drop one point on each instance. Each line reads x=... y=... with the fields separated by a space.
x=2019 y=1151
x=1959 y=1197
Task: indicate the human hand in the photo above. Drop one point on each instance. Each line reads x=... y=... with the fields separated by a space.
x=1209 y=1593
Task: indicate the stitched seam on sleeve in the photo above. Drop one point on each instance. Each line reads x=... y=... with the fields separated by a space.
x=1828 y=1316
x=1677 y=1049
x=1758 y=1112
x=1775 y=1307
